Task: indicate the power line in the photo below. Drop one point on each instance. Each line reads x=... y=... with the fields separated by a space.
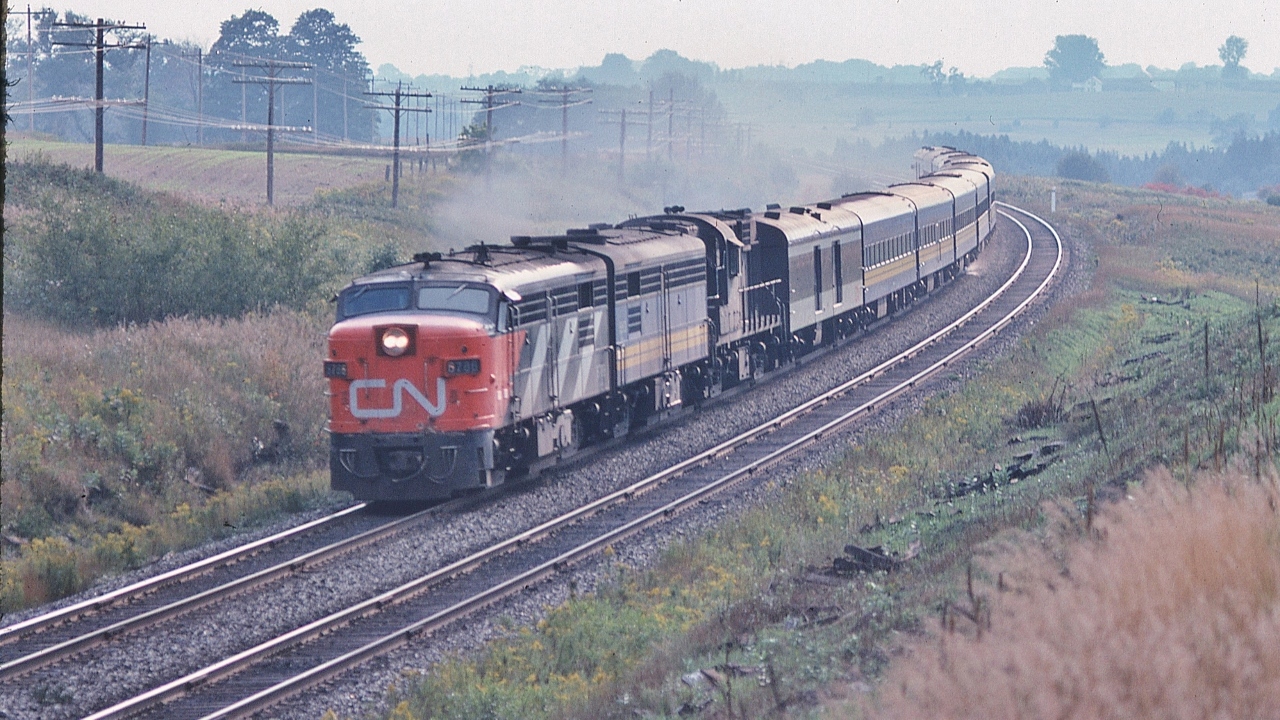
x=271 y=80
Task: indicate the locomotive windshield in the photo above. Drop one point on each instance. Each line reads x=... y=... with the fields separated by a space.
x=477 y=301
x=455 y=298
x=367 y=299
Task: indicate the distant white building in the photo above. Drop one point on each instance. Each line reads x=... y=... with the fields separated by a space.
x=1093 y=84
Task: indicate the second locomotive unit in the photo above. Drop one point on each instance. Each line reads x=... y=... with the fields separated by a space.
x=456 y=371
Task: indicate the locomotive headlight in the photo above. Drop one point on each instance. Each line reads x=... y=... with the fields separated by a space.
x=394 y=341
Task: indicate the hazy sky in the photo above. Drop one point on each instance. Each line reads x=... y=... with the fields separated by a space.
x=459 y=37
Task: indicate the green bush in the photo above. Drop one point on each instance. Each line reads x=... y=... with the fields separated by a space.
x=87 y=250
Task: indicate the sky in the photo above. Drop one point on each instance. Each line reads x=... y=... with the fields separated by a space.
x=979 y=37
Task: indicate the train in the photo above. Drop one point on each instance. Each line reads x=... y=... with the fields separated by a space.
x=463 y=370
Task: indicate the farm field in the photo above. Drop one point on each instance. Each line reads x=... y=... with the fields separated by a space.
x=211 y=175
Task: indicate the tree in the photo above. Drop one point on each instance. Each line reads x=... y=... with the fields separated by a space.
x=934 y=73
x=1082 y=166
x=253 y=34
x=317 y=38
x=1073 y=59
x=1232 y=52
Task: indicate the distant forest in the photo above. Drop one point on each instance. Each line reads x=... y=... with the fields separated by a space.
x=1247 y=164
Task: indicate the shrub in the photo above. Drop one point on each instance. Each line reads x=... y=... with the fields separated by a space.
x=103 y=252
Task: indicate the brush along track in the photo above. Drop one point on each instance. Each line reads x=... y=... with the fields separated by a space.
x=331 y=645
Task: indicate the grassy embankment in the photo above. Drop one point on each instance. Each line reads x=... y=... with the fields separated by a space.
x=750 y=602
x=160 y=379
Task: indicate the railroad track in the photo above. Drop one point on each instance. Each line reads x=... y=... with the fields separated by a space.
x=262 y=676
x=63 y=633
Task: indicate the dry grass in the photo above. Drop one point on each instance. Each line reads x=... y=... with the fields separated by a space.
x=1168 y=607
x=108 y=435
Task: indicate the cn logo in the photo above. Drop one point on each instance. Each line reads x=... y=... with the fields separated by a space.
x=401 y=386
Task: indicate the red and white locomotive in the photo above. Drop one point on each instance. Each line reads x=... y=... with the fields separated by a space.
x=457 y=371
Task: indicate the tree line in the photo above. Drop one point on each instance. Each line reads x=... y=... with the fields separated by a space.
x=1248 y=163
x=184 y=81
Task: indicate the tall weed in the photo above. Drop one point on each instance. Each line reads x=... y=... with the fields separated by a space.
x=1168 y=607
x=109 y=430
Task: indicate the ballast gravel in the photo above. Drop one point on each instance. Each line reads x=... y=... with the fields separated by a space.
x=119 y=670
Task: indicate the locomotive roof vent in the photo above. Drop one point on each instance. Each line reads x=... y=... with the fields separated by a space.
x=773 y=206
x=664 y=226
x=773 y=214
x=673 y=209
x=798 y=210
x=824 y=206
x=586 y=235
x=521 y=240
x=426 y=258
x=481 y=253
x=866 y=192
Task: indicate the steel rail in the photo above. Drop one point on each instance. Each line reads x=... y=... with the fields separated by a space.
x=70 y=613
x=67 y=648
x=319 y=673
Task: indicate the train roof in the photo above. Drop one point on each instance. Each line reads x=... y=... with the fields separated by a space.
x=535 y=262
x=877 y=207
x=957 y=181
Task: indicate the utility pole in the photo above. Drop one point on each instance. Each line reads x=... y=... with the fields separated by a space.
x=671 y=121
x=564 y=91
x=30 y=79
x=648 y=143
x=31 y=84
x=146 y=92
x=315 y=106
x=100 y=47
x=490 y=93
x=200 y=95
x=271 y=80
x=622 y=138
x=244 y=106
x=399 y=95
x=345 y=102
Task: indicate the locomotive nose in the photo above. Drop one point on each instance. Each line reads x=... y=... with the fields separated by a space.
x=414 y=373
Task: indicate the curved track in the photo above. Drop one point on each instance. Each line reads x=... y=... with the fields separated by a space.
x=266 y=674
